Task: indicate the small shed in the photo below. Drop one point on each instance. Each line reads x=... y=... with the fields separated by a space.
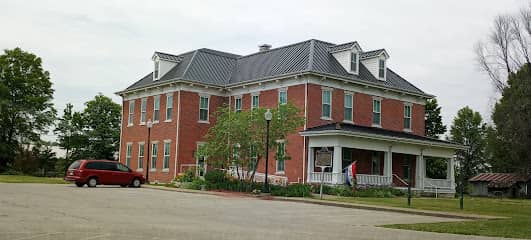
x=500 y=185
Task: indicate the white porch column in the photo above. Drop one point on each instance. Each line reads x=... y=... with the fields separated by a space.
x=450 y=172
x=310 y=165
x=420 y=171
x=388 y=165
x=337 y=166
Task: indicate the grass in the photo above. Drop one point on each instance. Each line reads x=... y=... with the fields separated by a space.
x=30 y=179
x=518 y=225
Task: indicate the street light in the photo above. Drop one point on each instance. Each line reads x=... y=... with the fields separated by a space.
x=268 y=116
x=149 y=126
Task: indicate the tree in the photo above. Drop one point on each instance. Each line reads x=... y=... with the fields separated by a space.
x=433 y=119
x=510 y=139
x=238 y=139
x=70 y=137
x=26 y=110
x=101 y=124
x=469 y=129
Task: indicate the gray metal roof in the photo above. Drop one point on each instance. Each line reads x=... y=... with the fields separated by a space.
x=168 y=57
x=370 y=54
x=312 y=56
x=341 y=47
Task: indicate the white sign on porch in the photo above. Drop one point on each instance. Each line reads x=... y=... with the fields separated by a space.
x=323 y=158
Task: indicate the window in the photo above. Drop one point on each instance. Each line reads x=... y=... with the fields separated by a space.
x=128 y=153
x=348 y=107
x=381 y=69
x=254 y=158
x=281 y=156
x=131 y=113
x=326 y=104
x=140 y=155
x=255 y=101
x=203 y=108
x=156 y=71
x=169 y=106
x=166 y=162
x=201 y=163
x=238 y=104
x=121 y=168
x=354 y=62
x=376 y=112
x=282 y=96
x=375 y=166
x=407 y=117
x=154 y=149
x=143 y=110
x=156 y=108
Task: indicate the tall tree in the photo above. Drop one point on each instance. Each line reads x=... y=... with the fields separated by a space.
x=469 y=129
x=101 y=120
x=71 y=137
x=510 y=140
x=433 y=119
x=26 y=109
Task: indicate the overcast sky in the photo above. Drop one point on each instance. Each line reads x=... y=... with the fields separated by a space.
x=104 y=46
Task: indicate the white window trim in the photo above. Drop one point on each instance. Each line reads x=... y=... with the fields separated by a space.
x=154 y=104
x=372 y=112
x=357 y=61
x=138 y=157
x=168 y=95
x=384 y=68
x=131 y=116
x=156 y=68
x=284 y=89
x=167 y=168
x=410 y=116
x=331 y=90
x=351 y=94
x=128 y=154
x=151 y=168
x=143 y=100
x=236 y=98
x=197 y=146
x=207 y=121
x=255 y=94
x=276 y=161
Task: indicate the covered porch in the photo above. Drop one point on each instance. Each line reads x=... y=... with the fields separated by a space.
x=384 y=158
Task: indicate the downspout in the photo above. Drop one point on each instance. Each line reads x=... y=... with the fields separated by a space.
x=177 y=135
x=121 y=132
x=304 y=138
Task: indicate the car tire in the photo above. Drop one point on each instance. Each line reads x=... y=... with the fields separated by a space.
x=79 y=184
x=136 y=183
x=92 y=182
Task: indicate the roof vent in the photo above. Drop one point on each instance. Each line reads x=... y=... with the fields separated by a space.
x=264 y=47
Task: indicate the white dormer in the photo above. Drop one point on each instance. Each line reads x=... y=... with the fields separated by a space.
x=348 y=55
x=376 y=62
x=163 y=63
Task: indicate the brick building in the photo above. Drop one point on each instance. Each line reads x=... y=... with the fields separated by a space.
x=354 y=106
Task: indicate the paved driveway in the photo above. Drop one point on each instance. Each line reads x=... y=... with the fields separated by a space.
x=40 y=211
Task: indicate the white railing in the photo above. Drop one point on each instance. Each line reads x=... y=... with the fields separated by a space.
x=328 y=177
x=438 y=183
x=258 y=177
x=373 y=180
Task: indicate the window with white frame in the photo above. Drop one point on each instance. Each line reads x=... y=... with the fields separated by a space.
x=140 y=155
x=156 y=108
x=255 y=101
x=156 y=71
x=281 y=156
x=354 y=62
x=376 y=111
x=131 y=113
x=169 y=106
x=203 y=108
x=201 y=161
x=238 y=104
x=282 y=96
x=326 y=104
x=407 y=117
x=348 y=104
x=166 y=160
x=128 y=153
x=143 y=110
x=154 y=150
x=381 y=68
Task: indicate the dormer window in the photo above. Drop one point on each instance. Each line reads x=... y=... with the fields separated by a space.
x=381 y=69
x=354 y=62
x=156 y=71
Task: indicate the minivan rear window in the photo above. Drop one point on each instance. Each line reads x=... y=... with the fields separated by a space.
x=75 y=165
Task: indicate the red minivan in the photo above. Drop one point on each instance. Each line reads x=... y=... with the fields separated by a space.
x=94 y=172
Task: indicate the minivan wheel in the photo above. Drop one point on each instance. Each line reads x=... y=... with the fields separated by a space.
x=92 y=182
x=79 y=184
x=136 y=183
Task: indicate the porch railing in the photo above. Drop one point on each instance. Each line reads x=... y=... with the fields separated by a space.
x=438 y=183
x=328 y=177
x=373 y=180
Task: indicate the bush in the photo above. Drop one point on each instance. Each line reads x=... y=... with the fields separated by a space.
x=347 y=191
x=196 y=184
x=186 y=176
x=215 y=176
x=292 y=190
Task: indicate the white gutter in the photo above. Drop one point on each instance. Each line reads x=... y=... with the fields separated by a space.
x=177 y=134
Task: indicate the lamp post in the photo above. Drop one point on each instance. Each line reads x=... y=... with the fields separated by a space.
x=149 y=125
x=268 y=115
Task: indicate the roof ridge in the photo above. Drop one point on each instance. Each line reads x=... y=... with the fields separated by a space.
x=190 y=63
x=274 y=49
x=310 y=57
x=219 y=53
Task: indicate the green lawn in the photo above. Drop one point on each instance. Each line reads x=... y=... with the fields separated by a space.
x=29 y=179
x=518 y=225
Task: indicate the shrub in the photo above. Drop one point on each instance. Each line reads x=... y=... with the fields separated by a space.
x=292 y=190
x=215 y=176
x=186 y=176
x=196 y=184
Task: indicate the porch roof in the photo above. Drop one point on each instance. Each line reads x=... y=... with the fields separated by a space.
x=347 y=129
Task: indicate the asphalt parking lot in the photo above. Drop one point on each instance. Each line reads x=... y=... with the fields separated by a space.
x=42 y=211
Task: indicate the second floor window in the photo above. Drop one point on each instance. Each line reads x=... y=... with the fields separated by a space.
x=156 y=108
x=407 y=117
x=154 y=151
x=238 y=104
x=354 y=62
x=140 y=155
x=143 y=110
x=203 y=108
x=166 y=162
x=128 y=153
x=326 y=104
x=348 y=107
x=381 y=69
x=169 y=106
x=131 y=112
x=376 y=112
x=254 y=101
x=282 y=97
